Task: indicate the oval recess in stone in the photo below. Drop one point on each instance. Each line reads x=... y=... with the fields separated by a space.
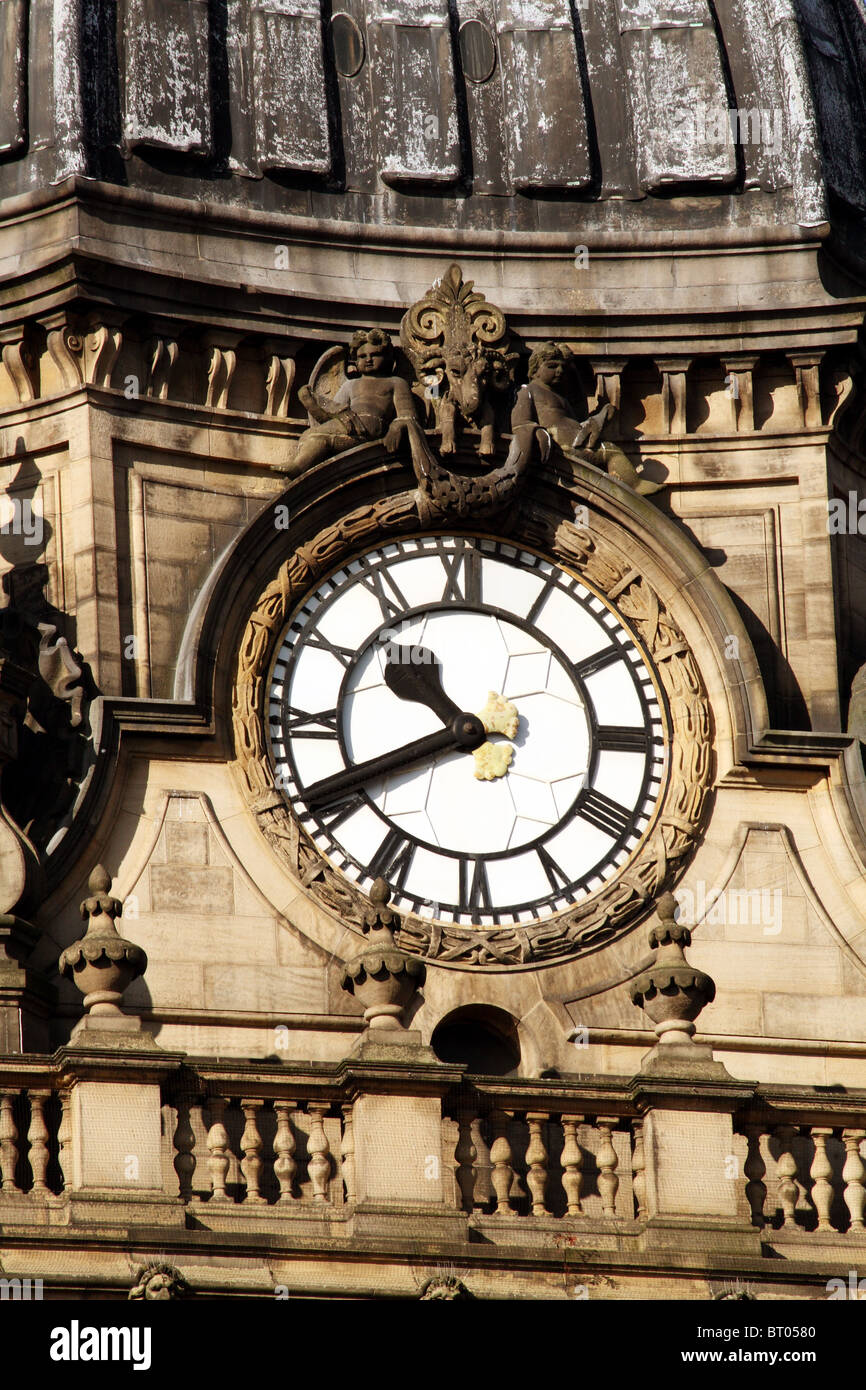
x=349 y=47
x=477 y=50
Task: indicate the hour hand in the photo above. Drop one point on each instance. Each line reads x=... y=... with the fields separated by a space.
x=464 y=733
x=412 y=673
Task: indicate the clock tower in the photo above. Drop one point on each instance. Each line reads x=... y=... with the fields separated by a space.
x=433 y=810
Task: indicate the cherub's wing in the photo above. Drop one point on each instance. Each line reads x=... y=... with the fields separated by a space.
x=330 y=372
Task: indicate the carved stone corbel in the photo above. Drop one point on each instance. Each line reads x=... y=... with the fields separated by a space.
x=160 y=355
x=102 y=345
x=738 y=377
x=18 y=361
x=608 y=382
x=221 y=362
x=674 y=371
x=847 y=382
x=807 y=372
x=279 y=381
x=66 y=348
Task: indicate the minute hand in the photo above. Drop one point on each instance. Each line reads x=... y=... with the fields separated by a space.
x=465 y=732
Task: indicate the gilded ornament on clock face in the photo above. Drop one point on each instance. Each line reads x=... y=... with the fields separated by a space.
x=558 y=844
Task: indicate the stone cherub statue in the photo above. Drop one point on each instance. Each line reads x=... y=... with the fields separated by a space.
x=541 y=403
x=371 y=403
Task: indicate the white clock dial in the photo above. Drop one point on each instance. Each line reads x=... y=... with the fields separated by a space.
x=374 y=770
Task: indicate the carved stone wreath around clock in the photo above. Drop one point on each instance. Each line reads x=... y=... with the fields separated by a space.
x=676 y=820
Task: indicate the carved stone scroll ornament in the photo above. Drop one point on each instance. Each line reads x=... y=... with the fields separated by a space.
x=459 y=346
x=663 y=855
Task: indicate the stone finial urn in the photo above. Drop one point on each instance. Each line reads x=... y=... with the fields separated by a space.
x=382 y=976
x=671 y=991
x=102 y=964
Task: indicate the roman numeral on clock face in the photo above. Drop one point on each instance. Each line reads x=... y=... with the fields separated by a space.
x=374 y=581
x=604 y=813
x=598 y=661
x=300 y=724
x=393 y=859
x=462 y=574
x=617 y=738
x=474 y=890
x=555 y=875
x=335 y=815
x=345 y=655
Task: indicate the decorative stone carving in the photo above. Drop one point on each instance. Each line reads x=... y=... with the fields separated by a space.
x=458 y=345
x=739 y=371
x=159 y=1281
x=278 y=383
x=382 y=977
x=221 y=363
x=102 y=964
x=607 y=914
x=161 y=355
x=55 y=747
x=102 y=345
x=365 y=401
x=674 y=372
x=25 y=997
x=18 y=361
x=446 y=1287
x=807 y=367
x=66 y=349
x=541 y=404
x=672 y=992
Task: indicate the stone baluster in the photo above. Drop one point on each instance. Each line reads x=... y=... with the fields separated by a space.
x=639 y=1170
x=218 y=1142
x=319 y=1150
x=853 y=1174
x=285 y=1164
x=347 y=1152
x=786 y=1168
x=821 y=1172
x=184 y=1143
x=572 y=1163
x=37 y=1137
x=503 y=1172
x=251 y=1144
x=64 y=1139
x=8 y=1146
x=754 y=1169
x=608 y=1182
x=536 y=1159
x=484 y=1194
x=465 y=1153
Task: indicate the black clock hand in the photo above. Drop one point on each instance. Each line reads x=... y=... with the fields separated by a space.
x=465 y=732
x=414 y=675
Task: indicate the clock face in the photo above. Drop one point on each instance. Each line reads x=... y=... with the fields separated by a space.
x=468 y=721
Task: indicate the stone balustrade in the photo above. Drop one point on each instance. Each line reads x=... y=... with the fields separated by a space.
x=805 y=1179
x=247 y=1143
x=34 y=1132
x=511 y=1158
x=251 y=1152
